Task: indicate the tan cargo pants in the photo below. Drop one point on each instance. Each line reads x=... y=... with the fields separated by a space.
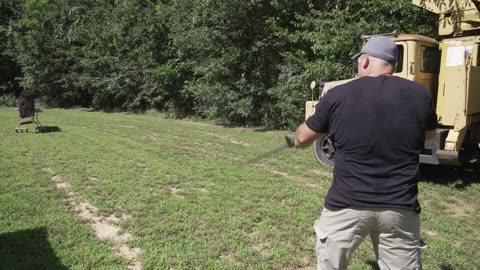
x=395 y=234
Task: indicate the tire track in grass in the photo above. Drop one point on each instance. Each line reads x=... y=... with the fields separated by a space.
x=180 y=143
x=193 y=148
x=105 y=228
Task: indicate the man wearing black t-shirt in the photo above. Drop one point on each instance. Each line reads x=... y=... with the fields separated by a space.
x=379 y=124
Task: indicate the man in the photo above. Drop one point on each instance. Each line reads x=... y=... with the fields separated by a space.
x=379 y=124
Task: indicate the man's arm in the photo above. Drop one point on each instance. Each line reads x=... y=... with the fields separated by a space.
x=430 y=134
x=304 y=137
x=316 y=124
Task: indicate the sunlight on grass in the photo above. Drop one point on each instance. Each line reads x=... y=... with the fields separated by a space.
x=189 y=200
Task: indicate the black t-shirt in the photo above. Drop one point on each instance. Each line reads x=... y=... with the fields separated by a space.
x=378 y=126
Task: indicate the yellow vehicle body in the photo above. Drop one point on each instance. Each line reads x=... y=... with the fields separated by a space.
x=450 y=69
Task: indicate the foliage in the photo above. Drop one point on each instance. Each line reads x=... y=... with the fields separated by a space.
x=10 y=11
x=238 y=62
x=8 y=100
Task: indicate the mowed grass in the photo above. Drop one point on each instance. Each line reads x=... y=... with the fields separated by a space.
x=183 y=191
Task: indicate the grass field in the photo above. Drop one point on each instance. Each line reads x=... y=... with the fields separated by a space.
x=117 y=191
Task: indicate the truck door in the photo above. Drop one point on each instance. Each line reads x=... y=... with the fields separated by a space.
x=429 y=67
x=424 y=65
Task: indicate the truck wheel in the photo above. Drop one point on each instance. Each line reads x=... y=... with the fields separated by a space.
x=324 y=150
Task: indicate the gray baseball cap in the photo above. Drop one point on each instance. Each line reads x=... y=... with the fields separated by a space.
x=381 y=47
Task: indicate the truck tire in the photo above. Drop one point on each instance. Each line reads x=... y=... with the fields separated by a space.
x=324 y=150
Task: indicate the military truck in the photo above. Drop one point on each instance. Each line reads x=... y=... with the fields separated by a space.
x=450 y=69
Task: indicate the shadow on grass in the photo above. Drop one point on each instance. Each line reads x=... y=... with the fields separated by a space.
x=447 y=267
x=373 y=265
x=28 y=249
x=457 y=177
x=48 y=129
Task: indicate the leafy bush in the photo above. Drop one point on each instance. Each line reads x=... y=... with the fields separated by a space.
x=8 y=101
x=237 y=62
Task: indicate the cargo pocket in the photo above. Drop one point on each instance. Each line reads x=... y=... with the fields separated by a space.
x=321 y=245
x=417 y=263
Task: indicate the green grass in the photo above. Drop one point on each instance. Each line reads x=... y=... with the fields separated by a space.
x=190 y=200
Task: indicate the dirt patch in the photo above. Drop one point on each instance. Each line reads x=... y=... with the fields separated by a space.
x=429 y=231
x=240 y=142
x=307 y=182
x=322 y=173
x=312 y=185
x=250 y=232
x=175 y=191
x=60 y=183
x=126 y=126
x=306 y=263
x=105 y=227
x=114 y=219
x=48 y=170
x=93 y=178
x=141 y=165
x=227 y=138
x=227 y=257
x=203 y=190
x=280 y=173
x=459 y=208
x=263 y=247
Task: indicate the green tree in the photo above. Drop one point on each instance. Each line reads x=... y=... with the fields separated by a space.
x=50 y=50
x=239 y=62
x=10 y=12
x=234 y=50
x=127 y=44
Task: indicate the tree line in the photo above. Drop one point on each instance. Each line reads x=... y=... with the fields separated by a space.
x=241 y=62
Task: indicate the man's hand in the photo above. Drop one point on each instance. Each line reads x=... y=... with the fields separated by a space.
x=290 y=141
x=305 y=136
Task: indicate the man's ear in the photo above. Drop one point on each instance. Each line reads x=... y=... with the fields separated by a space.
x=366 y=62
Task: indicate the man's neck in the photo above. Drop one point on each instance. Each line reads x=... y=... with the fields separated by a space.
x=378 y=73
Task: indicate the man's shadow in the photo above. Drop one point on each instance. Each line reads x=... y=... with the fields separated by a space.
x=458 y=177
x=28 y=249
x=374 y=266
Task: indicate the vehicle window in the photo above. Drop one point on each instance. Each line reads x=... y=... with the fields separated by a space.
x=399 y=59
x=430 y=60
x=478 y=56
